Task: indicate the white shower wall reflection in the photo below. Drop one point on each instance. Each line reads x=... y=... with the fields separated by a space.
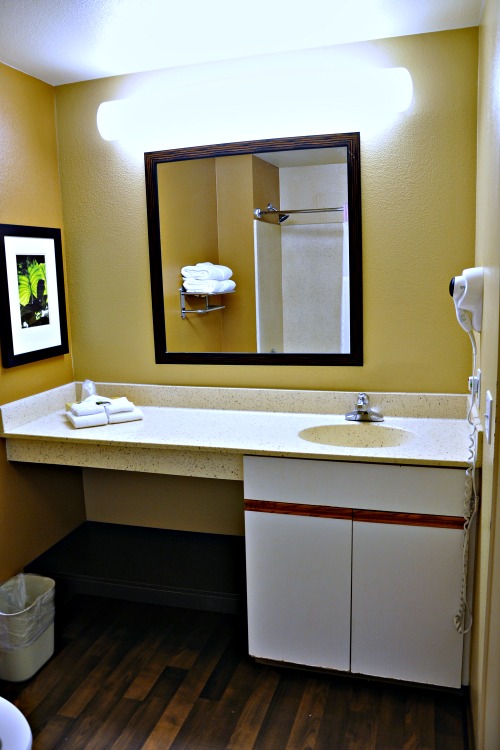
x=302 y=264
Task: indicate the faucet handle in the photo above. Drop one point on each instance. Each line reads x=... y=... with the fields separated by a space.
x=362 y=411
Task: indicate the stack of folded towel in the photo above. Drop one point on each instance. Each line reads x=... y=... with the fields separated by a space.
x=209 y=286
x=122 y=410
x=207 y=278
x=95 y=411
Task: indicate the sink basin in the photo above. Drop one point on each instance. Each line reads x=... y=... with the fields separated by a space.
x=356 y=435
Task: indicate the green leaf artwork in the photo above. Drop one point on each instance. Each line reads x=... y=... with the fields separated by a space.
x=33 y=294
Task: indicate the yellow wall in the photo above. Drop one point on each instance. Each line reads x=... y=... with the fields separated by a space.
x=266 y=185
x=236 y=250
x=188 y=232
x=418 y=197
x=38 y=504
x=211 y=506
x=485 y=675
x=204 y=208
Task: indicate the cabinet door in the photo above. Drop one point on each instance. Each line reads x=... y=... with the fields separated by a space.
x=299 y=588
x=405 y=593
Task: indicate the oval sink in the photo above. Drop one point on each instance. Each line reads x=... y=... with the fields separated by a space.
x=356 y=435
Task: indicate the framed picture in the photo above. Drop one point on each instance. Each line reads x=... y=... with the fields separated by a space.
x=32 y=301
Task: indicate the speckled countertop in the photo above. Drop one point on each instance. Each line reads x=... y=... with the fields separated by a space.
x=206 y=431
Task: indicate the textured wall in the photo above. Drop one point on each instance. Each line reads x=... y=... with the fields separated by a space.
x=418 y=194
x=29 y=194
x=38 y=504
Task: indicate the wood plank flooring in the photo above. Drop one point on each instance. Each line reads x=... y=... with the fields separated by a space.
x=130 y=676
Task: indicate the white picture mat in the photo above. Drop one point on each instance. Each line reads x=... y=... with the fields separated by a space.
x=38 y=337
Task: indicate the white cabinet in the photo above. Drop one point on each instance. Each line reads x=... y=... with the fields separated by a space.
x=338 y=577
x=299 y=588
x=405 y=594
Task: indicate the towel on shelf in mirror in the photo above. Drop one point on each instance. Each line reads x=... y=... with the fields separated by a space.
x=209 y=286
x=207 y=271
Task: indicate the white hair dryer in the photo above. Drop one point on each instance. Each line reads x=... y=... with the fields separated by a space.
x=467 y=293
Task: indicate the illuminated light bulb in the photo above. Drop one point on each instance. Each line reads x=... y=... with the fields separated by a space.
x=236 y=107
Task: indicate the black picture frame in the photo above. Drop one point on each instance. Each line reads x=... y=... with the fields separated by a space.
x=33 y=323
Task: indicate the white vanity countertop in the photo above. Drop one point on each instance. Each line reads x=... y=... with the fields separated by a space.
x=211 y=441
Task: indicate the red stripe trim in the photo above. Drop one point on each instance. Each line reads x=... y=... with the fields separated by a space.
x=364 y=516
x=298 y=509
x=408 y=519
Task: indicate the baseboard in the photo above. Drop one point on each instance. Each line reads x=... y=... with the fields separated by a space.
x=202 y=600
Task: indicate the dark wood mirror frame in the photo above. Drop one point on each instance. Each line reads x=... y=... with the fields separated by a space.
x=152 y=159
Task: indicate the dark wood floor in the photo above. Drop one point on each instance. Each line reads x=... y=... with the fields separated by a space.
x=127 y=676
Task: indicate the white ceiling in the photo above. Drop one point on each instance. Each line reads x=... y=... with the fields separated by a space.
x=63 y=41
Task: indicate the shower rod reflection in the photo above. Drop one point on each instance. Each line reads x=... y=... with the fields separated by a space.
x=283 y=215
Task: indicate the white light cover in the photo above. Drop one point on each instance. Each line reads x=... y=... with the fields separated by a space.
x=232 y=107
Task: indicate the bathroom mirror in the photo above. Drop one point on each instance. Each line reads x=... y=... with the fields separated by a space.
x=280 y=220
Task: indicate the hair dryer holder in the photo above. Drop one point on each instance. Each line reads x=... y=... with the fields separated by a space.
x=467 y=293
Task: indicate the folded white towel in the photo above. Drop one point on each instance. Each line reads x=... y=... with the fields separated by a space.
x=126 y=416
x=118 y=405
x=209 y=286
x=96 y=399
x=85 y=408
x=216 y=271
x=206 y=271
x=88 y=420
x=189 y=272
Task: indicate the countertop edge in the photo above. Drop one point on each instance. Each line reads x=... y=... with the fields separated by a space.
x=47 y=448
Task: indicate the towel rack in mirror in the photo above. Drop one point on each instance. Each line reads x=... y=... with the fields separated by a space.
x=201 y=310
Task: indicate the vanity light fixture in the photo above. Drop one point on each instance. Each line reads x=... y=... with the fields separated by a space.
x=233 y=107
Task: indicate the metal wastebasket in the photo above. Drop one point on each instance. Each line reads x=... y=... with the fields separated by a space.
x=26 y=625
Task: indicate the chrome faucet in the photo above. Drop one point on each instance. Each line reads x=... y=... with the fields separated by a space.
x=362 y=412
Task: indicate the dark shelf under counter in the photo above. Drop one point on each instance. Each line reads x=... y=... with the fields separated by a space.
x=156 y=566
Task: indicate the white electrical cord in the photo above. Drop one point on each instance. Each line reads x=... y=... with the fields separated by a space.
x=463 y=618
